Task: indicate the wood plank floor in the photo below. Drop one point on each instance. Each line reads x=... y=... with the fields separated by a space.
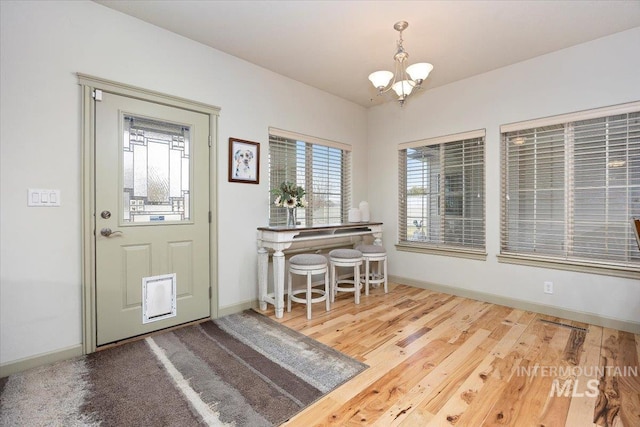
x=441 y=360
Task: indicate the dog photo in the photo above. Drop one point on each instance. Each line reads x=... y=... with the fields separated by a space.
x=244 y=161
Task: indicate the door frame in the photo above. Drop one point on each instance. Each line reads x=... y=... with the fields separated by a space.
x=89 y=84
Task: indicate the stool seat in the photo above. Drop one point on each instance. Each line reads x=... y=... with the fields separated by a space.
x=346 y=258
x=308 y=259
x=345 y=254
x=374 y=253
x=308 y=265
x=371 y=249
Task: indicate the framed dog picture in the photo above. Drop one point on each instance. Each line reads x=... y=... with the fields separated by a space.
x=244 y=161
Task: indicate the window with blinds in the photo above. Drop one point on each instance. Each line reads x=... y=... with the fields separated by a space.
x=571 y=185
x=321 y=167
x=441 y=189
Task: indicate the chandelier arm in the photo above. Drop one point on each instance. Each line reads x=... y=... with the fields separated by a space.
x=386 y=89
x=404 y=77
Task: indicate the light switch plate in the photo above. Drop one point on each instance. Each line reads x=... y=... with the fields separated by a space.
x=43 y=197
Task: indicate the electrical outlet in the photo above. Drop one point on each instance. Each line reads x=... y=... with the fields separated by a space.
x=548 y=287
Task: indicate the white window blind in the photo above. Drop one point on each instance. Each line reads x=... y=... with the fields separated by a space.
x=441 y=189
x=571 y=188
x=322 y=168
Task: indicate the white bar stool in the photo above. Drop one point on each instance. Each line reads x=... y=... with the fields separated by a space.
x=308 y=265
x=374 y=253
x=345 y=258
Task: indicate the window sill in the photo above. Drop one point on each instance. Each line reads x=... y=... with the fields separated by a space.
x=442 y=251
x=582 y=267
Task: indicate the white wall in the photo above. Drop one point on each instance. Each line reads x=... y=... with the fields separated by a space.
x=43 y=45
x=596 y=74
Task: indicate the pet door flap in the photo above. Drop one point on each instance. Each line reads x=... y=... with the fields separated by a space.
x=158 y=297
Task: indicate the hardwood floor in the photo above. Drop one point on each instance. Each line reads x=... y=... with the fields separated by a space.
x=437 y=359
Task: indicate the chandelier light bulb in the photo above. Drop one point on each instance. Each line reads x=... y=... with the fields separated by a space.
x=419 y=72
x=403 y=88
x=380 y=79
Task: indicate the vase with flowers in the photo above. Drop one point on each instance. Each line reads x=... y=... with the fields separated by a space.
x=290 y=196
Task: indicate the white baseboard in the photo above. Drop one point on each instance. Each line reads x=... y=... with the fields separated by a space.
x=20 y=365
x=237 y=308
x=579 y=316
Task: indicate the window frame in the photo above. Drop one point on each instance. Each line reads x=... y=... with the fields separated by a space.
x=277 y=215
x=431 y=246
x=569 y=262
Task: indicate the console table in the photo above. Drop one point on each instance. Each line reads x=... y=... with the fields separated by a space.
x=280 y=238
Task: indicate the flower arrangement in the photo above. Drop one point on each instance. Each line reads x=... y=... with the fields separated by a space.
x=289 y=195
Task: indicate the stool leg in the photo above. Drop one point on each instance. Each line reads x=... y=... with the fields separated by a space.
x=366 y=276
x=332 y=284
x=289 y=294
x=384 y=263
x=356 y=283
x=327 y=288
x=309 y=295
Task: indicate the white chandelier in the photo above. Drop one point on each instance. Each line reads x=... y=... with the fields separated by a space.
x=404 y=79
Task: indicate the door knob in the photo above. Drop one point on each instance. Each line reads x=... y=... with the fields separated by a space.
x=106 y=232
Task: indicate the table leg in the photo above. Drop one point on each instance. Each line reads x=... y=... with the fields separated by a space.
x=278 y=282
x=263 y=271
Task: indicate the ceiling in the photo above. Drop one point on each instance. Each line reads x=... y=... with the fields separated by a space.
x=335 y=45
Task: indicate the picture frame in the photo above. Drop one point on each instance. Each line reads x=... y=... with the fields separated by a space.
x=244 y=161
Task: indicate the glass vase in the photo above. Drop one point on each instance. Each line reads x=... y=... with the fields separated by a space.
x=291 y=217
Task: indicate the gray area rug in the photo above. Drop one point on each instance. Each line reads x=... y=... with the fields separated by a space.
x=242 y=370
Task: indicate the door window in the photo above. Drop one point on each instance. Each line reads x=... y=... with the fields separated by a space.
x=156 y=165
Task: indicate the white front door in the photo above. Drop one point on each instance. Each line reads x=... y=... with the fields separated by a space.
x=151 y=215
